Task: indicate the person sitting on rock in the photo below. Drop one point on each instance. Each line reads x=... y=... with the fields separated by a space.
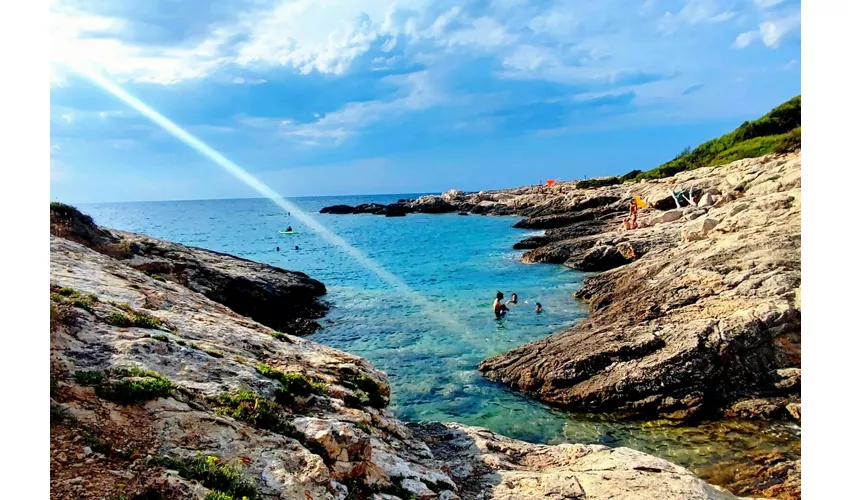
x=631 y=220
x=514 y=299
x=537 y=307
x=499 y=308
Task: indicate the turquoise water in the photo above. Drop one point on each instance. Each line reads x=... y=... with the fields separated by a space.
x=458 y=263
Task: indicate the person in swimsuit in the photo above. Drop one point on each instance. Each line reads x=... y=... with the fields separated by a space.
x=537 y=307
x=514 y=299
x=499 y=308
x=289 y=229
x=296 y=247
x=631 y=220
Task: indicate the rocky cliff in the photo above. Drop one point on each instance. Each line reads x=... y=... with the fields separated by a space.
x=284 y=300
x=697 y=310
x=159 y=391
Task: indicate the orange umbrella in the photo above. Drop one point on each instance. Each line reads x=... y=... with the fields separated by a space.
x=550 y=182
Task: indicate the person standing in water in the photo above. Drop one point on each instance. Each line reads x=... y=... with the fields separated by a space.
x=499 y=308
x=537 y=307
x=514 y=299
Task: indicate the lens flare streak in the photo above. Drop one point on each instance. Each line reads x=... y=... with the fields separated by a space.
x=193 y=142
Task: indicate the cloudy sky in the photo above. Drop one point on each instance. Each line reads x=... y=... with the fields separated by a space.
x=320 y=97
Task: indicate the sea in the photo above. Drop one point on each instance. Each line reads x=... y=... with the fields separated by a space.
x=457 y=264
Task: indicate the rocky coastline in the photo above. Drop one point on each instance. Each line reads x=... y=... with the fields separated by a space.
x=693 y=315
x=161 y=388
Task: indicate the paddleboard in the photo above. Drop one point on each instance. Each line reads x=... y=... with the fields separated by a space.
x=286 y=232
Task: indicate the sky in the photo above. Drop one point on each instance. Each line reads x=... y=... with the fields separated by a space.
x=336 y=97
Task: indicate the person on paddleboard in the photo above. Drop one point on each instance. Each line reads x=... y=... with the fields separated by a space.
x=289 y=229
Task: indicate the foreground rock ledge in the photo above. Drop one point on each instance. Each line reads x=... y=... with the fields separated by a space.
x=700 y=306
x=280 y=299
x=333 y=447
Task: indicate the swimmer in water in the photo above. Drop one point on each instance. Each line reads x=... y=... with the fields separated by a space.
x=537 y=307
x=514 y=299
x=499 y=308
x=278 y=249
x=296 y=247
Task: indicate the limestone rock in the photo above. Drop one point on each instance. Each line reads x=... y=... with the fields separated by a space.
x=691 y=324
x=698 y=229
x=486 y=465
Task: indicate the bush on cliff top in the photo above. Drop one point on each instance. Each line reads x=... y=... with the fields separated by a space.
x=67 y=212
x=292 y=383
x=777 y=131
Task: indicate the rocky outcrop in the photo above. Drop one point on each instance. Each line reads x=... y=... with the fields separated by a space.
x=699 y=307
x=485 y=465
x=159 y=392
x=284 y=300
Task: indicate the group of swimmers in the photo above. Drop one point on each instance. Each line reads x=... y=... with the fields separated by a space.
x=500 y=309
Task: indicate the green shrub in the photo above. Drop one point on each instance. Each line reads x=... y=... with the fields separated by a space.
x=363 y=427
x=160 y=337
x=373 y=391
x=213 y=474
x=68 y=292
x=134 y=318
x=213 y=353
x=281 y=336
x=777 y=131
x=292 y=383
x=118 y=319
x=605 y=181
x=126 y=385
x=67 y=212
x=255 y=410
x=630 y=176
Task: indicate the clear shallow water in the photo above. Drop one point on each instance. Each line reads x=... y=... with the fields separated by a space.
x=458 y=263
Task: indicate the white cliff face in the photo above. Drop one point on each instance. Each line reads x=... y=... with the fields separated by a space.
x=333 y=439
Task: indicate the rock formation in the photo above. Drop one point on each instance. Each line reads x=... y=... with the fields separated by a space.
x=158 y=391
x=283 y=300
x=697 y=308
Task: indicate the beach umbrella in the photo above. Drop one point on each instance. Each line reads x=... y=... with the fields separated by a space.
x=640 y=202
x=550 y=182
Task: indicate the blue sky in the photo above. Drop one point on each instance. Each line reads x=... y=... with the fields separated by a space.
x=326 y=97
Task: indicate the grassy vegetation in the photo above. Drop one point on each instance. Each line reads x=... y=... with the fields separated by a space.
x=374 y=398
x=779 y=131
x=213 y=353
x=223 y=479
x=262 y=413
x=218 y=495
x=780 y=127
x=137 y=319
x=126 y=385
x=255 y=410
x=281 y=336
x=292 y=384
x=363 y=427
x=68 y=212
x=590 y=183
x=74 y=298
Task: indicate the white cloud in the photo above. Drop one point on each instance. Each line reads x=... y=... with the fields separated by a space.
x=696 y=12
x=247 y=81
x=766 y=4
x=771 y=32
x=418 y=94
